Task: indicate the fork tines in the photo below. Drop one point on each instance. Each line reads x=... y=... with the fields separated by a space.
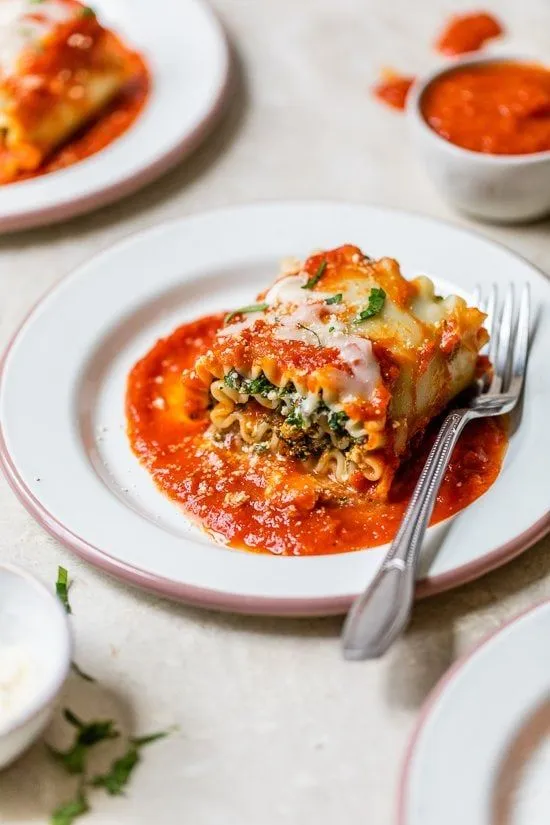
x=508 y=326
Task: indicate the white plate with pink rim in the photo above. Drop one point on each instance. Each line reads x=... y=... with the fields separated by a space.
x=481 y=751
x=68 y=459
x=188 y=57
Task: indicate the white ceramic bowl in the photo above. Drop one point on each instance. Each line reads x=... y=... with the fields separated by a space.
x=501 y=188
x=32 y=620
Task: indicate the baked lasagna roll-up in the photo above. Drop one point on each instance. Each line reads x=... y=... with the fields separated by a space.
x=58 y=69
x=339 y=365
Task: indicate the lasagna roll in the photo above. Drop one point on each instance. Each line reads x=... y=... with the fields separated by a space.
x=59 y=68
x=339 y=365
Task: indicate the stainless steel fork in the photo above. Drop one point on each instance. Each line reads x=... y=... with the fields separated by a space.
x=382 y=612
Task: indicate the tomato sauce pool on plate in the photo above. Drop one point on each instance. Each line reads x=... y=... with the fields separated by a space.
x=499 y=108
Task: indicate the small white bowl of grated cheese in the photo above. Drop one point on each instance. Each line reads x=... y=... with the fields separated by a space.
x=35 y=657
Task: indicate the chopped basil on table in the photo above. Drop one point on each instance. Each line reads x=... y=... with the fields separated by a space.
x=62 y=588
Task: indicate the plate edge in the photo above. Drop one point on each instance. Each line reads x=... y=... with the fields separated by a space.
x=437 y=692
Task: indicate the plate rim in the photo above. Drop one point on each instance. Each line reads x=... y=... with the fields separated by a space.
x=431 y=701
x=78 y=205
x=216 y=599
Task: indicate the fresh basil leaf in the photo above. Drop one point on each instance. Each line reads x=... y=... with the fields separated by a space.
x=314 y=280
x=73 y=760
x=88 y=734
x=118 y=776
x=67 y=813
x=245 y=311
x=62 y=588
x=377 y=298
x=140 y=741
x=335 y=299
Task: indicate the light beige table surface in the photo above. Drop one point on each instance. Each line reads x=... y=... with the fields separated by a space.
x=273 y=726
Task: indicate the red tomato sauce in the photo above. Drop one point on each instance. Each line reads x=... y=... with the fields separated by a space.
x=468 y=33
x=226 y=491
x=113 y=121
x=500 y=108
x=393 y=90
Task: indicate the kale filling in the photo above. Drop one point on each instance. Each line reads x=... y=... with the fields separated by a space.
x=291 y=406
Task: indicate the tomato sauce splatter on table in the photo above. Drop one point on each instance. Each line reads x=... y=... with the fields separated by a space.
x=393 y=89
x=468 y=33
x=500 y=108
x=464 y=33
x=226 y=492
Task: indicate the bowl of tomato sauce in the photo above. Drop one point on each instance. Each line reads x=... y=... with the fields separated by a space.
x=482 y=126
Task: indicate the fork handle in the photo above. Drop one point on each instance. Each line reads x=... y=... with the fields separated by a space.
x=382 y=612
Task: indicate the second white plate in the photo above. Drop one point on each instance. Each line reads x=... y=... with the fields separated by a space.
x=63 y=441
x=188 y=56
x=481 y=752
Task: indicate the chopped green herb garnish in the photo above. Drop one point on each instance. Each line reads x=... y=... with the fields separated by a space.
x=314 y=280
x=119 y=774
x=308 y=329
x=336 y=420
x=116 y=779
x=232 y=379
x=88 y=735
x=62 y=588
x=67 y=813
x=245 y=310
x=295 y=419
x=336 y=299
x=438 y=298
x=79 y=672
x=376 y=302
x=331 y=329
x=149 y=738
x=260 y=448
x=87 y=11
x=73 y=719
